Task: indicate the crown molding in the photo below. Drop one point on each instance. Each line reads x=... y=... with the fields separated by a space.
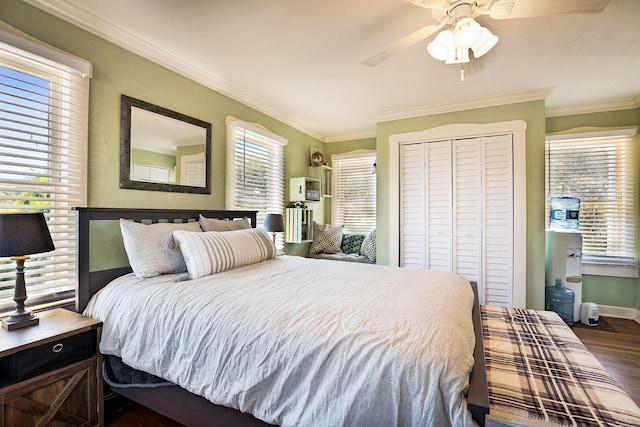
x=624 y=104
x=74 y=15
x=351 y=136
x=468 y=104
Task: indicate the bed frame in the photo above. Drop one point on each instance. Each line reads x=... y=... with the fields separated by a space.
x=175 y=402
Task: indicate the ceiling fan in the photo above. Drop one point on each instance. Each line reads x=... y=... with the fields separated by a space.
x=462 y=33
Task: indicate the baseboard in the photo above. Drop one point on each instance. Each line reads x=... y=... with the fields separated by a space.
x=619 y=312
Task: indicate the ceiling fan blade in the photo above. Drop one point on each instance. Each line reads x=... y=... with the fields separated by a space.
x=511 y=9
x=432 y=4
x=401 y=44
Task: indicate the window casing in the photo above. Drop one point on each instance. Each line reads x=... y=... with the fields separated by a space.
x=354 y=191
x=255 y=170
x=43 y=163
x=600 y=168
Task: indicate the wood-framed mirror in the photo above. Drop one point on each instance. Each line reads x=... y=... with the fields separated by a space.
x=163 y=150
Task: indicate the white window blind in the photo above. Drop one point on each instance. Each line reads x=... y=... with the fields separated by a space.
x=43 y=162
x=354 y=192
x=255 y=170
x=600 y=168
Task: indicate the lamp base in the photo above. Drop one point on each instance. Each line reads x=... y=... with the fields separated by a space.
x=17 y=321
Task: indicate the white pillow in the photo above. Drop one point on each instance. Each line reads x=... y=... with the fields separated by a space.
x=149 y=247
x=213 y=224
x=215 y=251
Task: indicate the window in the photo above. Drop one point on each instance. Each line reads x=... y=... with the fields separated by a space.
x=599 y=168
x=43 y=160
x=354 y=191
x=255 y=170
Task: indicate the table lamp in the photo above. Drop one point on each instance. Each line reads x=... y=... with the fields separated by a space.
x=273 y=223
x=21 y=235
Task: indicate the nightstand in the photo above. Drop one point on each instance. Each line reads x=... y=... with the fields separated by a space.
x=50 y=374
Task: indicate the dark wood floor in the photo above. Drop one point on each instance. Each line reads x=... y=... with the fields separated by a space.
x=136 y=415
x=618 y=352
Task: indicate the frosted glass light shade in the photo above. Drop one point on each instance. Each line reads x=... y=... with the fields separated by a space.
x=484 y=44
x=441 y=47
x=467 y=32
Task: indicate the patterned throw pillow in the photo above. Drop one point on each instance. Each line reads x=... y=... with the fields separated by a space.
x=368 y=248
x=351 y=243
x=326 y=238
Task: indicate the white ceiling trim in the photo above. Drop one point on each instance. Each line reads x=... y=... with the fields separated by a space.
x=126 y=40
x=469 y=104
x=625 y=104
x=351 y=136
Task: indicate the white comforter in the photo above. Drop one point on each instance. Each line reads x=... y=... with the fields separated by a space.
x=300 y=342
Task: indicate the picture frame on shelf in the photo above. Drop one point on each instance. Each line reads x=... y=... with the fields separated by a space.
x=316 y=158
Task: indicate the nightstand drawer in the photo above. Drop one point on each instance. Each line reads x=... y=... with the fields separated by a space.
x=47 y=357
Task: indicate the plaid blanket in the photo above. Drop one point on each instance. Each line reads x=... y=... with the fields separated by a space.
x=537 y=368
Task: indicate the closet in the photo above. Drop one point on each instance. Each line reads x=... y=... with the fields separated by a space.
x=457 y=210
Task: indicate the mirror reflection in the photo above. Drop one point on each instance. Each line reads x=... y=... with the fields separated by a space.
x=163 y=150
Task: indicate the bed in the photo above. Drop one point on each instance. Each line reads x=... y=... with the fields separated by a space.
x=328 y=352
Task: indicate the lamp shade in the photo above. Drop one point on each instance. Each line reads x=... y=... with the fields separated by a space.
x=24 y=234
x=273 y=223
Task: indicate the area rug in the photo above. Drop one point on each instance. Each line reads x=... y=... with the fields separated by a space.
x=603 y=325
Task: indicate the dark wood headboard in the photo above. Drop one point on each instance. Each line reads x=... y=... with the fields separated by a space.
x=90 y=282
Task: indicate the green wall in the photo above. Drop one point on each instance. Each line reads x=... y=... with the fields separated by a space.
x=117 y=71
x=342 y=147
x=615 y=291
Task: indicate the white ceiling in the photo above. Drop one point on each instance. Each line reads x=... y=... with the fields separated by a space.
x=300 y=60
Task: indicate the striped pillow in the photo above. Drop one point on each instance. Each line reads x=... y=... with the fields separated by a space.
x=215 y=251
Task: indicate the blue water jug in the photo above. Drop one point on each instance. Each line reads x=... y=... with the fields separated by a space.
x=565 y=213
x=560 y=300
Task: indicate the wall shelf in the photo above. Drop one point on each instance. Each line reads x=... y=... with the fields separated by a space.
x=298 y=225
x=304 y=189
x=322 y=174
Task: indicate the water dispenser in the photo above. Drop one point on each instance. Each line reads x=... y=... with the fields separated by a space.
x=563 y=261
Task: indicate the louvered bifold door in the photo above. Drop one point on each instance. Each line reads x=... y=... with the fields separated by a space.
x=412 y=206
x=467 y=206
x=426 y=209
x=457 y=211
x=497 y=212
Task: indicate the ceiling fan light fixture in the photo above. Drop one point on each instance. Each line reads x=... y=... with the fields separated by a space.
x=467 y=32
x=484 y=44
x=442 y=46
